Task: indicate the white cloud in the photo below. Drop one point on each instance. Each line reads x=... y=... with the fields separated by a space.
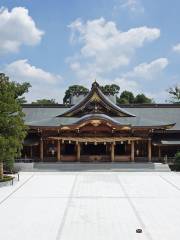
x=126 y=84
x=17 y=28
x=44 y=84
x=105 y=50
x=176 y=48
x=133 y=6
x=104 y=47
x=148 y=71
x=21 y=70
x=136 y=80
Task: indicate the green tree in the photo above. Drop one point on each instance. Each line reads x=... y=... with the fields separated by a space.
x=20 y=89
x=141 y=98
x=174 y=94
x=45 y=101
x=126 y=97
x=12 y=127
x=177 y=161
x=74 y=90
x=110 y=89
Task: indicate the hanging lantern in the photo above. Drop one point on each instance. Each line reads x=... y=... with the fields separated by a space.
x=104 y=143
x=62 y=141
x=95 y=143
x=85 y=143
x=122 y=142
x=69 y=141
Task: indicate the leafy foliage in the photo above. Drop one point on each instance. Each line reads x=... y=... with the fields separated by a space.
x=12 y=128
x=74 y=90
x=45 y=101
x=128 y=97
x=174 y=94
x=141 y=98
x=110 y=89
x=177 y=158
x=20 y=89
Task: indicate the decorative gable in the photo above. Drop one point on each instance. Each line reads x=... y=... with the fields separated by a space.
x=96 y=102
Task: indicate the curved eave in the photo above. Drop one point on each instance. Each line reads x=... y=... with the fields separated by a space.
x=165 y=126
x=102 y=117
x=96 y=117
x=113 y=105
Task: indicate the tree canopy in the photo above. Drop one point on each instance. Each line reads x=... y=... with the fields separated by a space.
x=20 y=89
x=74 y=90
x=45 y=101
x=110 y=89
x=141 y=98
x=128 y=97
x=12 y=127
x=174 y=93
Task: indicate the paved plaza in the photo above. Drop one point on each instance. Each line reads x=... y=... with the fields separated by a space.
x=91 y=206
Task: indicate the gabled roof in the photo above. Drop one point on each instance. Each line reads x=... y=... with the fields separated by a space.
x=96 y=102
x=135 y=122
x=146 y=115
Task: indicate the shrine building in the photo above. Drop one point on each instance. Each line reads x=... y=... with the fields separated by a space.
x=93 y=128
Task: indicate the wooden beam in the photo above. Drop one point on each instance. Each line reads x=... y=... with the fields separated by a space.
x=96 y=139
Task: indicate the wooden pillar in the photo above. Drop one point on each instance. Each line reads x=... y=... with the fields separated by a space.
x=132 y=151
x=159 y=153
x=31 y=151
x=78 y=147
x=112 y=152
x=58 y=150
x=41 y=150
x=149 y=150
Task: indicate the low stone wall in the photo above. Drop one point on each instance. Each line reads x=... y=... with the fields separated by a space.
x=24 y=166
x=3 y=184
x=61 y=166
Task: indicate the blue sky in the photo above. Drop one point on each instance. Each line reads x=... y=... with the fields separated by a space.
x=54 y=44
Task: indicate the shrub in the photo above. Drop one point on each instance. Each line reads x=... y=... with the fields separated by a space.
x=176 y=165
x=6 y=178
x=177 y=158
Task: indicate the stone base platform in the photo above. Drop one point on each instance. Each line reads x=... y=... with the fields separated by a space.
x=91 y=167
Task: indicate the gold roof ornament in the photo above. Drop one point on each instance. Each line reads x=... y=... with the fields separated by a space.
x=95 y=123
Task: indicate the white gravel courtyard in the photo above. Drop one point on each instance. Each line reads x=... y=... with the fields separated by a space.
x=91 y=206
